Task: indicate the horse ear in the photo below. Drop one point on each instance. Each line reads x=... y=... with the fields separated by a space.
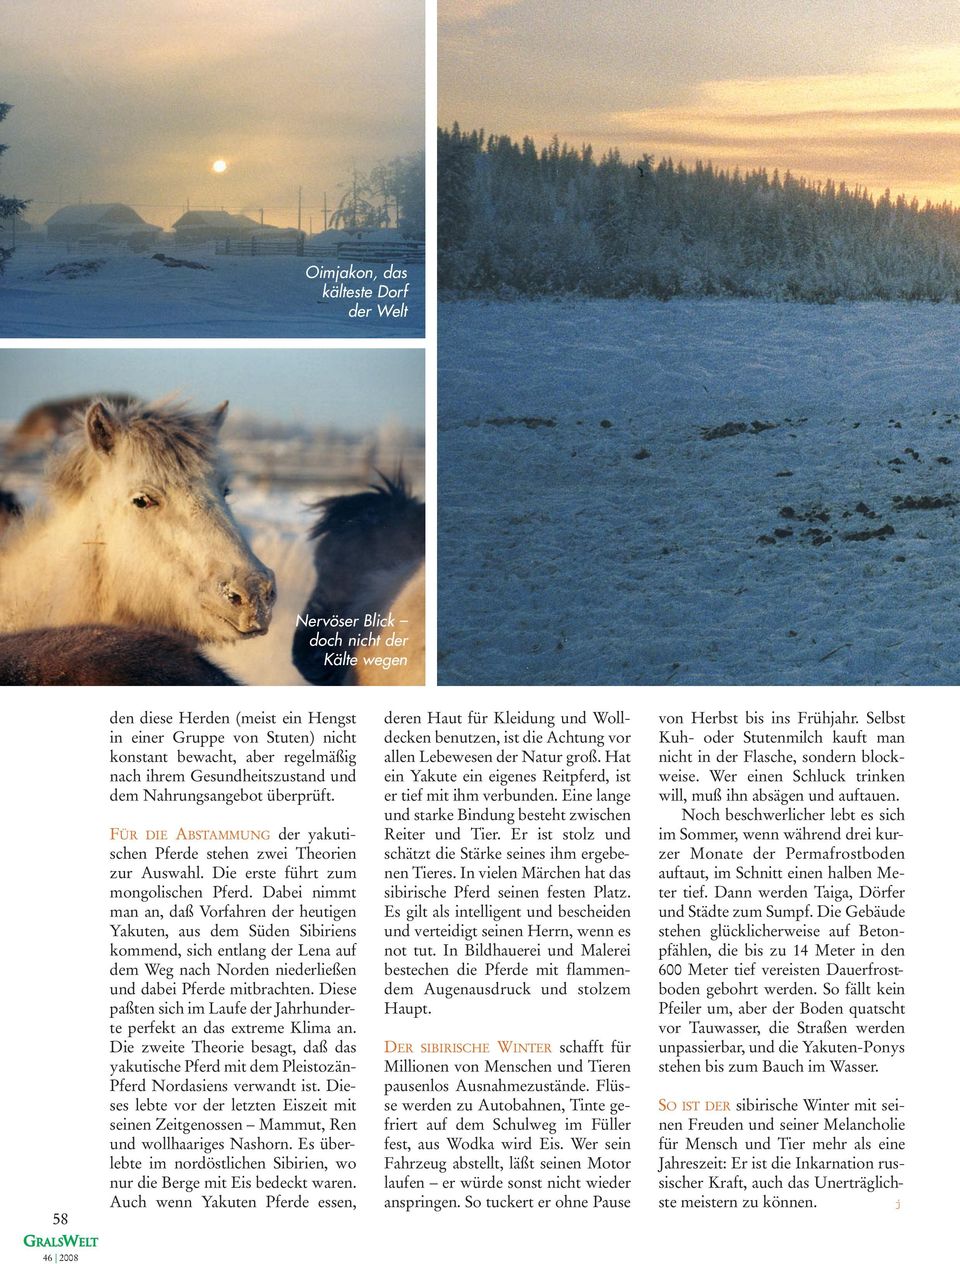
x=101 y=429
x=219 y=414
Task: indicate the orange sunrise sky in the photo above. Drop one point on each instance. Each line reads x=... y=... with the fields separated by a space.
x=867 y=91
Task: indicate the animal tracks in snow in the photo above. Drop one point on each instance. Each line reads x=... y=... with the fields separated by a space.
x=670 y=582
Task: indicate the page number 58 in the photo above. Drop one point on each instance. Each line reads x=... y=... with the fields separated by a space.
x=59 y=1217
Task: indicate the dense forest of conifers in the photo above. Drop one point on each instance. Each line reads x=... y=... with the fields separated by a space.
x=515 y=219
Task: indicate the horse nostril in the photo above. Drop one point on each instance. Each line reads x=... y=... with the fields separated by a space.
x=235 y=599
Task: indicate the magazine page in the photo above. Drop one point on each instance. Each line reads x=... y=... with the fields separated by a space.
x=606 y=430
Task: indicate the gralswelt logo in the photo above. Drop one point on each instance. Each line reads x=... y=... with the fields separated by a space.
x=66 y=1239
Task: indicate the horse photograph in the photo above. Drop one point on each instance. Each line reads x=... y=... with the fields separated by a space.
x=145 y=539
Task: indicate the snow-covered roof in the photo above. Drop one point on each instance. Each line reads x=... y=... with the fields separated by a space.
x=216 y=219
x=272 y=229
x=357 y=234
x=96 y=213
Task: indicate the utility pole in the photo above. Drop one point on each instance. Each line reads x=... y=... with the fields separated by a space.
x=261 y=216
x=324 y=212
x=299 y=204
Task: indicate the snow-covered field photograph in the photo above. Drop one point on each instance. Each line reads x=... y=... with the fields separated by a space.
x=224 y=170
x=699 y=382
x=215 y=516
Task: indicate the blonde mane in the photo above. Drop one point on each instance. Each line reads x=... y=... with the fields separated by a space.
x=134 y=529
x=167 y=438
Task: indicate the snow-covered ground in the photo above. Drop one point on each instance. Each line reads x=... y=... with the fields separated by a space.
x=591 y=531
x=45 y=293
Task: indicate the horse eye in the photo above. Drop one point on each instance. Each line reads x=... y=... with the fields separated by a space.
x=144 y=501
x=226 y=492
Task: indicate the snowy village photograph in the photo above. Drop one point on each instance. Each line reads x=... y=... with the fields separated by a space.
x=229 y=169
x=699 y=343
x=212 y=516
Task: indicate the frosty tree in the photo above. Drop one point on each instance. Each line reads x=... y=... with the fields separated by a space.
x=359 y=208
x=401 y=182
x=392 y=194
x=9 y=207
x=455 y=163
x=512 y=217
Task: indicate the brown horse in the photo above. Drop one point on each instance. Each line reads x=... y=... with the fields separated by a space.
x=10 y=509
x=40 y=427
x=369 y=560
x=104 y=655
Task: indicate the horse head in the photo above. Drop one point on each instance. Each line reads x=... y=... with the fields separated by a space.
x=147 y=485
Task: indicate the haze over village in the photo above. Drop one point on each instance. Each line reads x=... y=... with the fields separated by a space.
x=231 y=108
x=165 y=173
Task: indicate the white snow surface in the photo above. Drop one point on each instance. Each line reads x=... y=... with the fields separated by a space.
x=134 y=295
x=565 y=557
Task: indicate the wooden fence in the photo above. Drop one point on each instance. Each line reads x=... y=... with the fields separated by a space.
x=354 y=251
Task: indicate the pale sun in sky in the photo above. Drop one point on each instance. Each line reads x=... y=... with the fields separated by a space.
x=219 y=166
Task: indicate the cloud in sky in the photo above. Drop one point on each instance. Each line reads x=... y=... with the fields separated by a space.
x=117 y=99
x=471 y=10
x=860 y=90
x=896 y=124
